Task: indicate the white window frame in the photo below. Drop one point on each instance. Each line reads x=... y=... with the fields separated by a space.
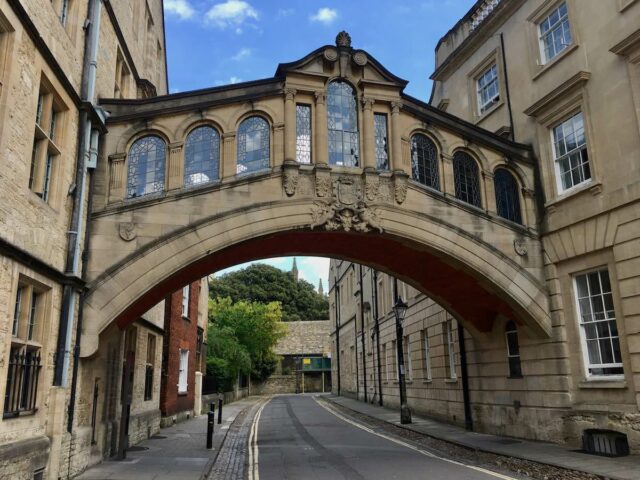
x=427 y=355
x=186 y=294
x=396 y=365
x=183 y=374
x=549 y=33
x=483 y=107
x=581 y=150
x=451 y=352
x=385 y=353
x=581 y=326
x=408 y=371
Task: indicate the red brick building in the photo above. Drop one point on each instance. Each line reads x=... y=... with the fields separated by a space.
x=182 y=351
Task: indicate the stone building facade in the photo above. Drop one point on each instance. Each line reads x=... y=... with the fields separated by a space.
x=48 y=99
x=562 y=76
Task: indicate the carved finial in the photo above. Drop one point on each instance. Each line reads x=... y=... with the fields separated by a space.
x=343 y=39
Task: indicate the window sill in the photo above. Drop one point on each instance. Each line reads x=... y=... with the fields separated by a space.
x=183 y=394
x=184 y=317
x=594 y=187
x=22 y=413
x=427 y=381
x=450 y=380
x=614 y=383
x=486 y=114
x=542 y=69
x=511 y=377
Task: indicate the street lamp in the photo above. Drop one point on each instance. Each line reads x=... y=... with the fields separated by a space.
x=400 y=310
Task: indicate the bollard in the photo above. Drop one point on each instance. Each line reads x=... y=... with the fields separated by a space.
x=212 y=407
x=219 y=410
x=211 y=420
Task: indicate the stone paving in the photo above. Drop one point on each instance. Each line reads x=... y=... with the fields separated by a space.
x=176 y=452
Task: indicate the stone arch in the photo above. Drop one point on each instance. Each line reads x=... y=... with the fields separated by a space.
x=131 y=286
x=270 y=124
x=433 y=134
x=516 y=171
x=438 y=141
x=139 y=130
x=484 y=194
x=191 y=123
x=250 y=110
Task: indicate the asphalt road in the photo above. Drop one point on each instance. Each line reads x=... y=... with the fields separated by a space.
x=297 y=438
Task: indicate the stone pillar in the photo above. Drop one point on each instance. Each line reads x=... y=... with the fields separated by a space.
x=369 y=135
x=117 y=177
x=395 y=162
x=528 y=208
x=321 y=137
x=489 y=192
x=279 y=147
x=175 y=167
x=289 y=124
x=229 y=168
x=447 y=181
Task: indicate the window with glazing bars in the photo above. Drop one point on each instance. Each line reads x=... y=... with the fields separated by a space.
x=427 y=355
x=201 y=156
x=342 y=119
x=382 y=149
x=467 y=179
x=570 y=152
x=146 y=163
x=449 y=344
x=507 y=195
x=555 y=33
x=488 y=89
x=597 y=319
x=513 y=350
x=424 y=161
x=303 y=133
x=253 y=145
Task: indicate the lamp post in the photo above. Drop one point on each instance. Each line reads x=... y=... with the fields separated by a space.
x=400 y=310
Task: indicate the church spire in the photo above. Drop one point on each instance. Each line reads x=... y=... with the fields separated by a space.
x=320 y=289
x=294 y=270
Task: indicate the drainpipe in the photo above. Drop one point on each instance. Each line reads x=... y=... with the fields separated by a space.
x=468 y=419
x=87 y=153
x=364 y=354
x=336 y=292
x=377 y=325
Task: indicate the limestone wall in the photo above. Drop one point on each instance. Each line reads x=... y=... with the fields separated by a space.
x=305 y=337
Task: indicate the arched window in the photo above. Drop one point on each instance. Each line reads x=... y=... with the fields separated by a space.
x=424 y=161
x=507 y=196
x=201 y=156
x=145 y=174
x=253 y=145
x=342 y=119
x=467 y=178
x=513 y=350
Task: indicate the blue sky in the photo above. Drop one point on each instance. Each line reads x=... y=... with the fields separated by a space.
x=217 y=42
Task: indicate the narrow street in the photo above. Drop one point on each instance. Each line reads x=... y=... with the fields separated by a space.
x=298 y=437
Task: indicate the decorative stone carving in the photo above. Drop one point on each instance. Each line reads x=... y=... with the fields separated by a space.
x=330 y=54
x=305 y=185
x=371 y=188
x=360 y=58
x=400 y=187
x=323 y=186
x=346 y=210
x=520 y=246
x=395 y=107
x=343 y=39
x=290 y=93
x=127 y=231
x=367 y=103
x=290 y=181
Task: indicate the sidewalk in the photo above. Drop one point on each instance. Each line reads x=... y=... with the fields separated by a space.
x=620 y=468
x=176 y=452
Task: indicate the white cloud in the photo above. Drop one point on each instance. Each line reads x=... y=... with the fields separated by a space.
x=324 y=15
x=242 y=54
x=181 y=8
x=234 y=79
x=285 y=12
x=232 y=13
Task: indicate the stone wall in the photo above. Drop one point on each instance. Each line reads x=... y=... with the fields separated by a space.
x=275 y=384
x=304 y=338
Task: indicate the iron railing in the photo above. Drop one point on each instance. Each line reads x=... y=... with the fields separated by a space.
x=22 y=382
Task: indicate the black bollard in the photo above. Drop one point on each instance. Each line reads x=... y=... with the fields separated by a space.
x=219 y=410
x=211 y=420
x=212 y=407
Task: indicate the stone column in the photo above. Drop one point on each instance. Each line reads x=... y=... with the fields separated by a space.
x=321 y=136
x=289 y=124
x=175 y=167
x=279 y=137
x=396 y=162
x=228 y=155
x=489 y=191
x=447 y=181
x=117 y=177
x=368 y=127
x=528 y=207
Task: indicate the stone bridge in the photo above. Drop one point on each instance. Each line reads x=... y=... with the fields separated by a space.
x=330 y=158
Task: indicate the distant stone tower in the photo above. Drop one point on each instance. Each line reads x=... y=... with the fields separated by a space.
x=320 y=289
x=294 y=270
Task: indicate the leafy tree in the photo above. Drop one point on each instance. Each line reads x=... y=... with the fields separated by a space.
x=242 y=337
x=264 y=283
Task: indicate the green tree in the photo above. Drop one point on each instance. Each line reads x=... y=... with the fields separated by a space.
x=264 y=283
x=243 y=335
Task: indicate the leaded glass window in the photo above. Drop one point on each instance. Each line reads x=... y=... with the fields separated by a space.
x=424 y=161
x=145 y=175
x=466 y=178
x=201 y=156
x=253 y=145
x=382 y=151
x=303 y=133
x=597 y=319
x=570 y=152
x=507 y=196
x=513 y=350
x=342 y=118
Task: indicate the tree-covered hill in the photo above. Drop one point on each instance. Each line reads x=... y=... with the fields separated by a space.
x=264 y=283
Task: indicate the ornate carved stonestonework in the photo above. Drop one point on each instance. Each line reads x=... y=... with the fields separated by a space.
x=323 y=186
x=127 y=231
x=343 y=39
x=360 y=58
x=400 y=187
x=346 y=210
x=330 y=54
x=520 y=246
x=371 y=188
x=290 y=181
